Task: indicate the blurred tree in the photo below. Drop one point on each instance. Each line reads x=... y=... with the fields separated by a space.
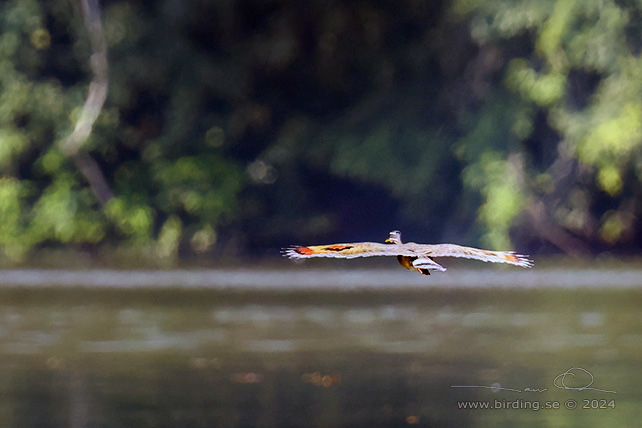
x=242 y=124
x=575 y=96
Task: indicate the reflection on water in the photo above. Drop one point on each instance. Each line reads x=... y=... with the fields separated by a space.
x=270 y=349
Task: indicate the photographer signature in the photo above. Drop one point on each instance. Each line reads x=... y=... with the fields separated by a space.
x=559 y=382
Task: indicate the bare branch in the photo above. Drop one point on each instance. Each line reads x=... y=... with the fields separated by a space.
x=93 y=105
x=90 y=169
x=547 y=229
x=98 y=87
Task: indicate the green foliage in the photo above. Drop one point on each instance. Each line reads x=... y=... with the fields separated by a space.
x=12 y=225
x=44 y=199
x=500 y=183
x=233 y=125
x=133 y=219
x=169 y=238
x=583 y=75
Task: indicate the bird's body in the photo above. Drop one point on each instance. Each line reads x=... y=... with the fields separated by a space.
x=410 y=255
x=406 y=261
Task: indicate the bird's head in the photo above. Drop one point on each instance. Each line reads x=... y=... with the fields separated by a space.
x=394 y=237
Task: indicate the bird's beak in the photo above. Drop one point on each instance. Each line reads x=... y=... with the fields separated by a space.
x=387 y=241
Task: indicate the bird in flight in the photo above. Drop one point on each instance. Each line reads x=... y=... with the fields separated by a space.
x=412 y=256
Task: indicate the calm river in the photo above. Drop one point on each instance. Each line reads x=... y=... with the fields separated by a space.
x=318 y=348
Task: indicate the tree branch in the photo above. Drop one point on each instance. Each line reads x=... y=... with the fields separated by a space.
x=93 y=105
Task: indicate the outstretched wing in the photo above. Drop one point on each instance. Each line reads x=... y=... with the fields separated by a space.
x=342 y=251
x=419 y=253
x=452 y=250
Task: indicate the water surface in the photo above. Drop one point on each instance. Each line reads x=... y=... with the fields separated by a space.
x=308 y=347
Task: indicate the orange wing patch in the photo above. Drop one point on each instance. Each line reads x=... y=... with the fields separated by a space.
x=511 y=258
x=516 y=259
x=296 y=251
x=305 y=251
x=308 y=251
x=337 y=247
